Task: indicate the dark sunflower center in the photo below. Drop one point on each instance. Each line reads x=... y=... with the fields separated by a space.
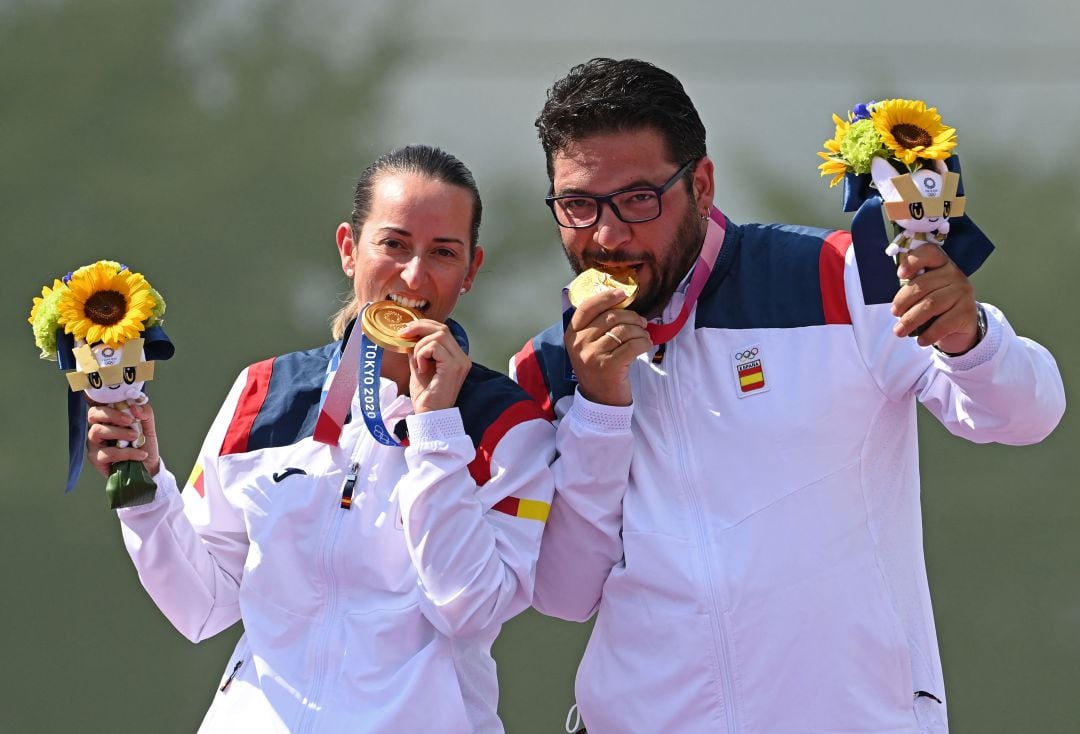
x=105 y=308
x=911 y=136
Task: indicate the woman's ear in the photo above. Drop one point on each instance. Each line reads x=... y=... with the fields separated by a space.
x=346 y=248
x=474 y=268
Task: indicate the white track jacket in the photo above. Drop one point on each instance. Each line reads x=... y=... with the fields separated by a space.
x=376 y=618
x=748 y=532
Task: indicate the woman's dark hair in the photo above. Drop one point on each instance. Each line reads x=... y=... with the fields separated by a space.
x=424 y=160
x=608 y=95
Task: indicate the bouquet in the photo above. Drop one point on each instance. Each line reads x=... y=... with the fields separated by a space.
x=902 y=145
x=897 y=156
x=103 y=320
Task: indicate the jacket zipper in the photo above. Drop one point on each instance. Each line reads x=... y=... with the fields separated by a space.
x=235 y=670
x=321 y=653
x=715 y=611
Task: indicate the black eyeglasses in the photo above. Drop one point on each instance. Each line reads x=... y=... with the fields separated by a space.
x=634 y=205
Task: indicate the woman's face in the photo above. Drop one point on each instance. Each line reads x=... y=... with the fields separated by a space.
x=414 y=247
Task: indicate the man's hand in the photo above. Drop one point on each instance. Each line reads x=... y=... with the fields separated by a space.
x=437 y=363
x=108 y=425
x=941 y=297
x=602 y=343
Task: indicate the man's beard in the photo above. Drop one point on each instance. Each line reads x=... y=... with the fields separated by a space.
x=667 y=273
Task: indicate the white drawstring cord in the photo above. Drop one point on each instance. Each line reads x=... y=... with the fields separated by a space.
x=573 y=716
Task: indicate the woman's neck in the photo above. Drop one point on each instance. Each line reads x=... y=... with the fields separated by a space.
x=395 y=366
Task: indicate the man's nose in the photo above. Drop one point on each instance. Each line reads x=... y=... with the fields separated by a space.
x=611 y=232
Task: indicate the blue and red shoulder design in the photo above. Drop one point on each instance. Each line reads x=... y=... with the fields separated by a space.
x=491 y=404
x=280 y=401
x=543 y=369
x=777 y=276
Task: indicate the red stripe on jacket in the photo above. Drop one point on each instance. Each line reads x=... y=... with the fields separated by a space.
x=531 y=378
x=831 y=275
x=248 y=407
x=519 y=412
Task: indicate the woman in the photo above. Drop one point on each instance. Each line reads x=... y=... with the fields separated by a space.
x=371 y=579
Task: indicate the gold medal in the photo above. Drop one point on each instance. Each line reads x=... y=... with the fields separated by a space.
x=593 y=281
x=382 y=321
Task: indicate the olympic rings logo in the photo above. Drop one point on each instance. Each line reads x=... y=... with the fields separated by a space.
x=747 y=354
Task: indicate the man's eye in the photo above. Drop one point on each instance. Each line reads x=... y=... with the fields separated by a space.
x=640 y=197
x=392 y=244
x=577 y=204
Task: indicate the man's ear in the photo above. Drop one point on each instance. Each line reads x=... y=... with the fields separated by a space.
x=703 y=184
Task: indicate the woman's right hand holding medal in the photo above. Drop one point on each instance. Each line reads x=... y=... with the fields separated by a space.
x=603 y=340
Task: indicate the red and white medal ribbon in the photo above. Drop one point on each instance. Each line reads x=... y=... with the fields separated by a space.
x=703 y=267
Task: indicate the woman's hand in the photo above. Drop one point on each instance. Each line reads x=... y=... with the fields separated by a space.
x=437 y=366
x=108 y=425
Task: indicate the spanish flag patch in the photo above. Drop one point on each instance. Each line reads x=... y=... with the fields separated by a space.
x=749 y=368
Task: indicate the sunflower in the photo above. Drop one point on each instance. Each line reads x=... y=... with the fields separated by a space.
x=834 y=165
x=106 y=302
x=911 y=130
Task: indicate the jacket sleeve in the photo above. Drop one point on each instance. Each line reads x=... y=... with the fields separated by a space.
x=583 y=537
x=1007 y=389
x=473 y=519
x=189 y=548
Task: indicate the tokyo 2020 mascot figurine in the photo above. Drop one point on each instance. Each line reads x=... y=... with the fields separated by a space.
x=896 y=157
x=103 y=322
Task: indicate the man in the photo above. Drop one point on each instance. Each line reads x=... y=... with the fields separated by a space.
x=738 y=487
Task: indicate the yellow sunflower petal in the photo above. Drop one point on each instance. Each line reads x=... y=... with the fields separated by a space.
x=912 y=131
x=104 y=303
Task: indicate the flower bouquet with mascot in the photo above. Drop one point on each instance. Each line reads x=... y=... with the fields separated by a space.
x=103 y=323
x=896 y=157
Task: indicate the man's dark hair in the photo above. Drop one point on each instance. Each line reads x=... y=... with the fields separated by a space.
x=608 y=95
x=427 y=161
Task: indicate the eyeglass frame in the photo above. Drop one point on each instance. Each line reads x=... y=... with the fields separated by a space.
x=608 y=199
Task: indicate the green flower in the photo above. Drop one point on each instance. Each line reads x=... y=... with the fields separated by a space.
x=158 y=313
x=861 y=144
x=45 y=317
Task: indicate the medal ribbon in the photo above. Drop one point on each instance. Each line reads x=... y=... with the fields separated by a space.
x=368 y=384
x=703 y=267
x=338 y=397
x=361 y=368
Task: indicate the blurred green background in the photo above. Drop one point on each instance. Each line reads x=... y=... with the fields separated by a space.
x=213 y=146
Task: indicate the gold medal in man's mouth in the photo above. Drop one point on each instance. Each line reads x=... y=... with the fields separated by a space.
x=593 y=281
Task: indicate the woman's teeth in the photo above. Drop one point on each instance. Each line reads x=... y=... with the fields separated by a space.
x=415 y=303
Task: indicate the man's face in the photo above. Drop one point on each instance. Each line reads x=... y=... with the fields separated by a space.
x=660 y=251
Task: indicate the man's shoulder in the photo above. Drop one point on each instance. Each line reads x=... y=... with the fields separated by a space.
x=542 y=368
x=778 y=234
x=779 y=276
